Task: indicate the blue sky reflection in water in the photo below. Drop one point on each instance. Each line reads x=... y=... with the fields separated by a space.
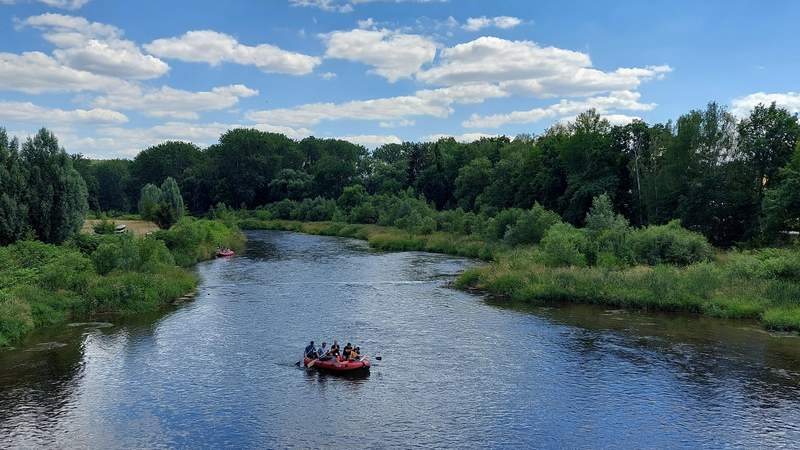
x=457 y=371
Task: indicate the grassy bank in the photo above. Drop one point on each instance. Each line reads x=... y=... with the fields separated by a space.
x=43 y=284
x=762 y=285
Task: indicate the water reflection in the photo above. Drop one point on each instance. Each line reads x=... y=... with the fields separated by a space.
x=458 y=371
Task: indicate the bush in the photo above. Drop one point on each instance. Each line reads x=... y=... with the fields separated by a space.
x=498 y=226
x=105 y=226
x=564 y=245
x=608 y=234
x=531 y=226
x=192 y=240
x=669 y=244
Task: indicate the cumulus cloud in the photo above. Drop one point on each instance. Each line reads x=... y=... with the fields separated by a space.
x=621 y=100
x=392 y=55
x=36 y=72
x=175 y=103
x=432 y=103
x=28 y=113
x=464 y=138
x=116 y=142
x=524 y=67
x=95 y=47
x=502 y=22
x=215 y=48
x=63 y=4
x=346 y=6
x=789 y=100
x=372 y=140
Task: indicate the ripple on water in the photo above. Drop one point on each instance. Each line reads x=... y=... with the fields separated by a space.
x=457 y=371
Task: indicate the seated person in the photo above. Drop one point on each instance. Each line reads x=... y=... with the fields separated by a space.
x=346 y=352
x=334 y=351
x=310 y=351
x=323 y=353
x=355 y=355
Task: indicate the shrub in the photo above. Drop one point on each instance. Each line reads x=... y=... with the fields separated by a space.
x=105 y=226
x=670 y=243
x=498 y=226
x=608 y=234
x=531 y=226
x=564 y=245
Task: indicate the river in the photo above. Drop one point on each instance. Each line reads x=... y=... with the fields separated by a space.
x=457 y=370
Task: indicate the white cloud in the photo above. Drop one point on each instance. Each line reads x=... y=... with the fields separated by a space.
x=494 y=59
x=523 y=67
x=346 y=6
x=464 y=138
x=63 y=4
x=215 y=48
x=372 y=140
x=432 y=103
x=327 y=75
x=392 y=55
x=789 y=100
x=625 y=100
x=95 y=47
x=36 y=72
x=479 y=23
x=117 y=142
x=175 y=103
x=397 y=123
x=579 y=82
x=26 y=112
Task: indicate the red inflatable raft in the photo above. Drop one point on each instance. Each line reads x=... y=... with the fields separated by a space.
x=225 y=253
x=332 y=365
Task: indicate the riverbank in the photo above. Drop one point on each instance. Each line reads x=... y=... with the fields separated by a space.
x=43 y=285
x=763 y=285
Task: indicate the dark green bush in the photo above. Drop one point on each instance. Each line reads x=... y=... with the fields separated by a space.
x=669 y=244
x=564 y=245
x=531 y=226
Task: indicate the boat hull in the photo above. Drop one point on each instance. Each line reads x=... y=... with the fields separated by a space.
x=342 y=367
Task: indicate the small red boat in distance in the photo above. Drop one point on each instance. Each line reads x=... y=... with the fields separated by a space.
x=225 y=252
x=334 y=366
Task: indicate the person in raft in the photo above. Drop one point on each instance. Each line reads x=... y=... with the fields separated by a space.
x=335 y=352
x=311 y=351
x=355 y=354
x=322 y=353
x=346 y=352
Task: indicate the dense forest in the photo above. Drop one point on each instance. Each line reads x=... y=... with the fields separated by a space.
x=736 y=181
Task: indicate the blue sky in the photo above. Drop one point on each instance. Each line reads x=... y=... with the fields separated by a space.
x=112 y=77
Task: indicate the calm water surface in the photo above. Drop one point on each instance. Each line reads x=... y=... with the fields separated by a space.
x=458 y=371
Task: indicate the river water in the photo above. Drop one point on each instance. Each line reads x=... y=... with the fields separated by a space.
x=457 y=370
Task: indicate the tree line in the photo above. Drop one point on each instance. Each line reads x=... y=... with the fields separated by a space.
x=733 y=180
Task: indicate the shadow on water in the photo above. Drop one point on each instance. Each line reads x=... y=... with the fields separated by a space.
x=701 y=350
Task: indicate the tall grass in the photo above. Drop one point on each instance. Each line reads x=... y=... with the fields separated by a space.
x=43 y=284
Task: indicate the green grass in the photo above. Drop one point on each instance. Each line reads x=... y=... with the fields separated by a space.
x=43 y=284
x=762 y=285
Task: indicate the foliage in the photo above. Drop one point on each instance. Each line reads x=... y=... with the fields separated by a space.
x=55 y=193
x=531 y=226
x=164 y=205
x=105 y=226
x=669 y=244
x=564 y=245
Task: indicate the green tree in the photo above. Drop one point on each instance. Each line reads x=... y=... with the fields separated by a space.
x=767 y=139
x=168 y=159
x=13 y=208
x=149 y=201
x=781 y=211
x=472 y=180
x=56 y=193
x=291 y=184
